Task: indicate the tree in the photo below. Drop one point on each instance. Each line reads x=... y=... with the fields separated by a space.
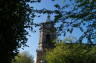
x=23 y=58
x=80 y=14
x=14 y=19
x=72 y=53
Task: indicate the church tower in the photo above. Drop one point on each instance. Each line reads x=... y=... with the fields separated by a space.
x=47 y=35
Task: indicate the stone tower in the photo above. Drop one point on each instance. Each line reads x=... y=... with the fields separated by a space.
x=47 y=35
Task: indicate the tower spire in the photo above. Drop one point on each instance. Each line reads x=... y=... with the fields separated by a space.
x=47 y=35
x=48 y=18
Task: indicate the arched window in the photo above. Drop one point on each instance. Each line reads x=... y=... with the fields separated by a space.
x=48 y=38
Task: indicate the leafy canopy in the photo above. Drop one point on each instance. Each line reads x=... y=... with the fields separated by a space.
x=14 y=19
x=77 y=14
x=72 y=53
x=23 y=57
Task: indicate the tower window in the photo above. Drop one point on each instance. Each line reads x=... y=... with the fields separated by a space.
x=47 y=37
x=47 y=41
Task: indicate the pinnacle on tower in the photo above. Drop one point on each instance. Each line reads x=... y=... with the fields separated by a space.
x=48 y=18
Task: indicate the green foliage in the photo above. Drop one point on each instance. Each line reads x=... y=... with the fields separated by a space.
x=17 y=15
x=23 y=58
x=14 y=19
x=79 y=14
x=57 y=6
x=72 y=53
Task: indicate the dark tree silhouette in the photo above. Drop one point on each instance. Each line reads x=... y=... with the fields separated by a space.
x=14 y=19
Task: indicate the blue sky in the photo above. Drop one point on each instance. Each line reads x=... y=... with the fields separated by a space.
x=34 y=38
